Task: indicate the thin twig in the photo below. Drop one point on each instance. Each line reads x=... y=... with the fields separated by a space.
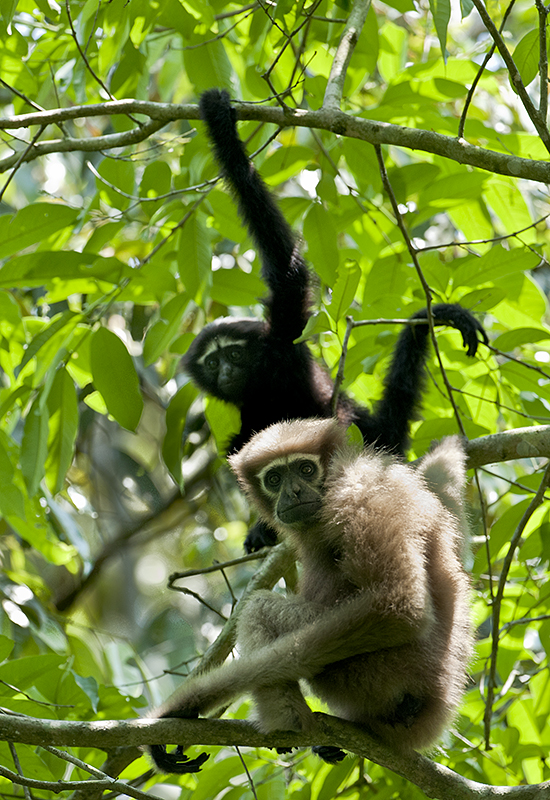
x=480 y=72
x=340 y=374
x=177 y=227
x=534 y=115
x=84 y=58
x=514 y=544
x=427 y=291
x=543 y=59
x=24 y=97
x=190 y=573
x=13 y=751
x=21 y=159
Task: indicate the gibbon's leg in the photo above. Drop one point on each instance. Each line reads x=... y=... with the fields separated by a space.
x=353 y=627
x=265 y=617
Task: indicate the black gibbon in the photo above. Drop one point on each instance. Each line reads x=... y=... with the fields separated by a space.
x=256 y=365
x=380 y=627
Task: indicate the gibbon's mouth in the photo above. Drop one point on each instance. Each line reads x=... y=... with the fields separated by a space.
x=299 y=512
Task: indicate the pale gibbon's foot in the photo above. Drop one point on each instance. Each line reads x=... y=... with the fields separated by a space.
x=406 y=712
x=329 y=753
x=176 y=761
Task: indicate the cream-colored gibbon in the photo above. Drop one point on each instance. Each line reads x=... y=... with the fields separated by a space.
x=380 y=627
x=258 y=365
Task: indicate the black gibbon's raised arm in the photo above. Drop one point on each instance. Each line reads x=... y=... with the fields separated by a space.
x=256 y=365
x=380 y=628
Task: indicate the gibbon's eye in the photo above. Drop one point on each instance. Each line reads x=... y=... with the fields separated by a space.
x=272 y=480
x=236 y=355
x=308 y=469
x=211 y=363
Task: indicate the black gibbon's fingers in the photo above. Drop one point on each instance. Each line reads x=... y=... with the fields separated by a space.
x=460 y=318
x=260 y=535
x=329 y=753
x=176 y=761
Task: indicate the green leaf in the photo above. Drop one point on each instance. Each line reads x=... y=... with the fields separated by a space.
x=526 y=57
x=34 y=445
x=115 y=378
x=68 y=318
x=63 y=410
x=118 y=174
x=344 y=290
x=322 y=246
x=42 y=267
x=226 y=219
x=495 y=264
x=176 y=413
x=11 y=498
x=236 y=288
x=156 y=180
x=441 y=12
x=224 y=420
x=33 y=224
x=519 y=336
x=161 y=335
x=6 y=646
x=207 y=66
x=195 y=257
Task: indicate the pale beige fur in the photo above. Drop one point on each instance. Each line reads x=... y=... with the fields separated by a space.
x=380 y=627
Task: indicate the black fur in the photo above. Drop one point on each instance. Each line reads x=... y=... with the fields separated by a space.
x=277 y=379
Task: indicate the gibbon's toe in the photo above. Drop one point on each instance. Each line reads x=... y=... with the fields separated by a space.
x=176 y=762
x=329 y=753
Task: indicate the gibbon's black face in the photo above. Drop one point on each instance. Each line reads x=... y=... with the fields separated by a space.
x=223 y=358
x=225 y=366
x=294 y=488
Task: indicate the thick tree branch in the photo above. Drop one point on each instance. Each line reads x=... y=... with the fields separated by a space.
x=333 y=120
x=435 y=780
x=344 y=52
x=532 y=442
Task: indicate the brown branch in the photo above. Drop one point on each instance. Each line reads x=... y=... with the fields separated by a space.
x=532 y=442
x=333 y=120
x=435 y=780
x=348 y=41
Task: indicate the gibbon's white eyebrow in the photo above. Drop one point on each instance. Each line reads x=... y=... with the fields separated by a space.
x=219 y=343
x=284 y=461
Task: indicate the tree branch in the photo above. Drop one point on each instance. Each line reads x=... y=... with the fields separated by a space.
x=435 y=780
x=344 y=52
x=532 y=442
x=534 y=114
x=338 y=122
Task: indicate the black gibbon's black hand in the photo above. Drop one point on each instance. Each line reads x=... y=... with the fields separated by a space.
x=329 y=753
x=255 y=364
x=380 y=626
x=463 y=320
x=176 y=761
x=260 y=535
